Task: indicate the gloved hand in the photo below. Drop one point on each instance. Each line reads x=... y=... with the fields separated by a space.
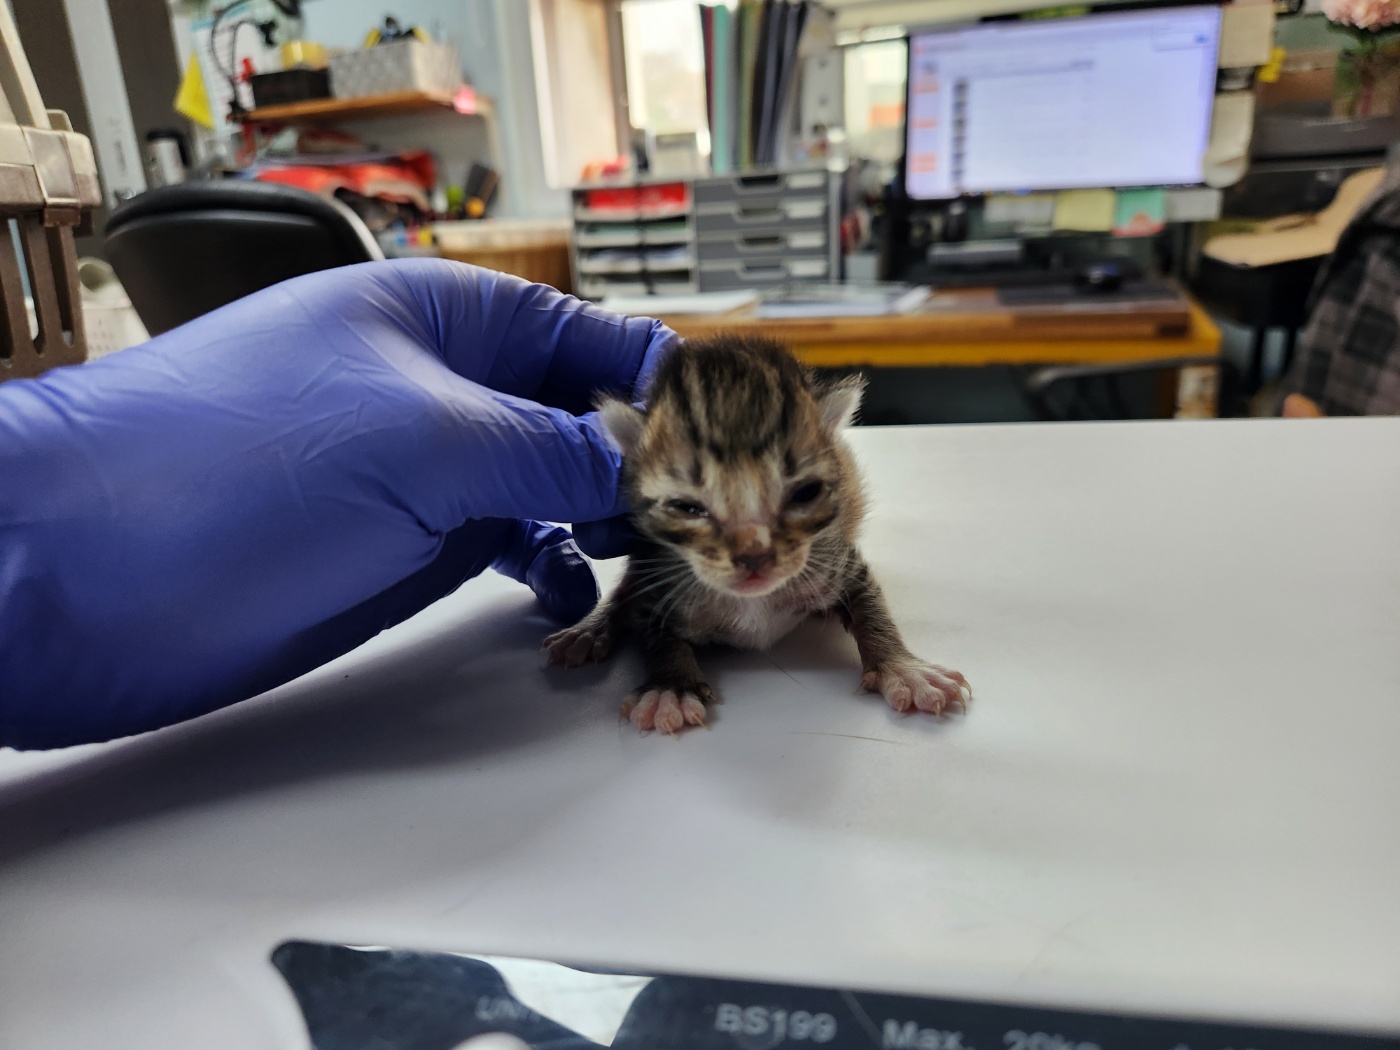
x=191 y=522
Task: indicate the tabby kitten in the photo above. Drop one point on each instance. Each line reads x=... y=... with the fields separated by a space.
x=748 y=501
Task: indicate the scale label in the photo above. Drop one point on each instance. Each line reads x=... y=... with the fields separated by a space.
x=764 y=1026
x=909 y=1036
x=1019 y=1040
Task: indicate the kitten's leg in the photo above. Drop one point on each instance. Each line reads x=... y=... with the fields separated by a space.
x=591 y=639
x=675 y=693
x=888 y=667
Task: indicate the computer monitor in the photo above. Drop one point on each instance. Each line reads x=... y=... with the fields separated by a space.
x=1109 y=99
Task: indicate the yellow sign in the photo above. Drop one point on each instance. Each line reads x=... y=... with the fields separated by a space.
x=191 y=100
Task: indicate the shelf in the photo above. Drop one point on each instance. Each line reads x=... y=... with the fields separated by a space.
x=398 y=103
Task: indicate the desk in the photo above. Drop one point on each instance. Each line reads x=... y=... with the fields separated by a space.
x=1176 y=791
x=969 y=328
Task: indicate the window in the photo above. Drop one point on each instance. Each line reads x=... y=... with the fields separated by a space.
x=577 y=85
x=875 y=76
x=665 y=66
x=604 y=67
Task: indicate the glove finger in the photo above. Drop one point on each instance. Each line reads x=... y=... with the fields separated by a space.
x=609 y=538
x=546 y=559
x=495 y=456
x=526 y=339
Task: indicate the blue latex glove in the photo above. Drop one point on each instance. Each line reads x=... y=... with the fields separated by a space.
x=189 y=523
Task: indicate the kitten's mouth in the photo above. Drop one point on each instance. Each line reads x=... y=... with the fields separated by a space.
x=755 y=583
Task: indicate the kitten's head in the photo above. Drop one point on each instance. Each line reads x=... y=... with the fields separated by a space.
x=737 y=462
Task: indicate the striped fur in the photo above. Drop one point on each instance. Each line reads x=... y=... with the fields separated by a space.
x=748 y=502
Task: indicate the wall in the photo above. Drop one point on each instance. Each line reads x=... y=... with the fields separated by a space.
x=493 y=39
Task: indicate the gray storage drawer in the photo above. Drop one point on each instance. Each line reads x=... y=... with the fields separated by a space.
x=732 y=274
x=770 y=258
x=753 y=215
x=750 y=246
x=761 y=185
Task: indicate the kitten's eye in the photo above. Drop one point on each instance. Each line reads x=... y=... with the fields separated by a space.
x=684 y=506
x=806 y=494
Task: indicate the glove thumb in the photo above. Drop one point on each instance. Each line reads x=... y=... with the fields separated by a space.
x=546 y=559
x=609 y=538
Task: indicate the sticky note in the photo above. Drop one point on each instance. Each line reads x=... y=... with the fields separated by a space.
x=1197 y=204
x=1022 y=210
x=1085 y=211
x=1139 y=213
x=1269 y=73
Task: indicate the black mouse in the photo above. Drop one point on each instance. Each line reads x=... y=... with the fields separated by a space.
x=1100 y=277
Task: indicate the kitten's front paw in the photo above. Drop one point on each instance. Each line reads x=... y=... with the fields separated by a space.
x=667 y=710
x=913 y=684
x=580 y=644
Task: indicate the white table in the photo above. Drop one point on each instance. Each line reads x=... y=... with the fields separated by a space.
x=1178 y=790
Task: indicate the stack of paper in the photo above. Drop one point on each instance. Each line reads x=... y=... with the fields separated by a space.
x=751 y=57
x=695 y=303
x=842 y=300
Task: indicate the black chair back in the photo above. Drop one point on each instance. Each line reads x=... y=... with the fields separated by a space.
x=184 y=250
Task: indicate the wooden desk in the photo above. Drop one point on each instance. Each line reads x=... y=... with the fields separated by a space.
x=967 y=328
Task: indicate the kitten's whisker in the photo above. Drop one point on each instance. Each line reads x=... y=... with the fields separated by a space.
x=674 y=598
x=667 y=580
x=671 y=598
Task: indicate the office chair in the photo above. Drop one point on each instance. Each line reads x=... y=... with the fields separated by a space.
x=1067 y=393
x=183 y=250
x=1259 y=298
x=1265 y=279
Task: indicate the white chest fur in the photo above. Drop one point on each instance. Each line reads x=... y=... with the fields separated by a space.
x=756 y=624
x=748 y=623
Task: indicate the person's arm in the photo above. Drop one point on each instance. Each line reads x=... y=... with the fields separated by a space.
x=191 y=522
x=1296 y=406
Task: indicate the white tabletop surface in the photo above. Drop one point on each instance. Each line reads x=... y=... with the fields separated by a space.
x=1178 y=790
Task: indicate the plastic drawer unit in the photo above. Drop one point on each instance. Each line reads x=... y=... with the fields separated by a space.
x=766 y=229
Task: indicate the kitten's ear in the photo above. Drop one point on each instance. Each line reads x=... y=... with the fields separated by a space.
x=839 y=402
x=624 y=423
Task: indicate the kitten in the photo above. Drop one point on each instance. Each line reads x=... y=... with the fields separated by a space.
x=747 y=501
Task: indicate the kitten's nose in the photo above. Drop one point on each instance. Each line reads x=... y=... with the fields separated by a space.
x=756 y=563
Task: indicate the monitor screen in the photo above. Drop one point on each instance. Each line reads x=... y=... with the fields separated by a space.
x=1112 y=99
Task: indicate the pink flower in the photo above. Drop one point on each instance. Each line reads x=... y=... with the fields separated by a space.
x=1363 y=14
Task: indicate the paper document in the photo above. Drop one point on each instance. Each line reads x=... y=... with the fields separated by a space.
x=1085 y=211
x=1246 y=34
x=1022 y=210
x=843 y=300
x=1139 y=213
x=1231 y=128
x=698 y=303
x=1193 y=205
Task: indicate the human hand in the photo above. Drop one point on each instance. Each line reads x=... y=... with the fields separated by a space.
x=191 y=522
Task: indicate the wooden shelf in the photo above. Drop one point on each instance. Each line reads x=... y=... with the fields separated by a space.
x=398 y=103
